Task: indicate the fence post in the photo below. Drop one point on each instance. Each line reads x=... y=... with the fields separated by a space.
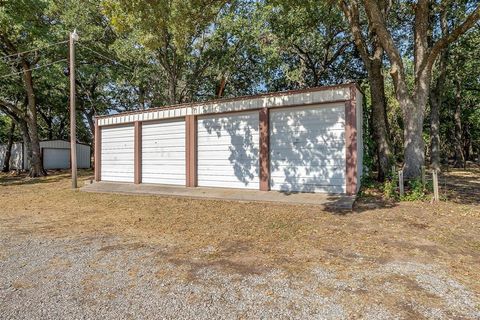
x=400 y=183
x=436 y=196
x=423 y=176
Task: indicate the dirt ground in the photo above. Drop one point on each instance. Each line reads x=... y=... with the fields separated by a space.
x=69 y=254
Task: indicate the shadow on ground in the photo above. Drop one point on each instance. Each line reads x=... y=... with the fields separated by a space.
x=21 y=178
x=461 y=186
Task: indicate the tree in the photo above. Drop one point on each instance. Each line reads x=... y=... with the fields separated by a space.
x=308 y=39
x=179 y=48
x=460 y=123
x=20 y=29
x=97 y=74
x=372 y=54
x=436 y=96
x=425 y=52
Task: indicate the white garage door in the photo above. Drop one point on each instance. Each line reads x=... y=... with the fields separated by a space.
x=117 y=153
x=56 y=158
x=307 y=149
x=228 y=147
x=163 y=152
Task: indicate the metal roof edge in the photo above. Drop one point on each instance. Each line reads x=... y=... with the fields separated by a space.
x=239 y=98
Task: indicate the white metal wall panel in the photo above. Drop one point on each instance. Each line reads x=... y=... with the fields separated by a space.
x=307 y=149
x=117 y=153
x=56 y=158
x=163 y=152
x=228 y=147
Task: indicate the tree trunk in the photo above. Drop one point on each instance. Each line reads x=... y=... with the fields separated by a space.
x=141 y=97
x=172 y=89
x=50 y=129
x=414 y=146
x=436 y=97
x=61 y=133
x=373 y=61
x=26 y=142
x=467 y=145
x=221 y=86
x=459 y=156
x=435 y=106
x=436 y=100
x=91 y=123
x=8 y=151
x=36 y=165
x=379 y=118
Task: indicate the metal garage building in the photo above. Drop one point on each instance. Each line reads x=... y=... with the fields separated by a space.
x=295 y=141
x=55 y=155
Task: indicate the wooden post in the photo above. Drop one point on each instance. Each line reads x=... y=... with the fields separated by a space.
x=436 y=196
x=73 y=129
x=423 y=176
x=400 y=183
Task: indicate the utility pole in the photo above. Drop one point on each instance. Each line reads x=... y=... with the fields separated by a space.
x=73 y=124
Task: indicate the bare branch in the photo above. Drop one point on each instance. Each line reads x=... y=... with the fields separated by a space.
x=351 y=12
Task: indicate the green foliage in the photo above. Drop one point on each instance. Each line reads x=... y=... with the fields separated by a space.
x=161 y=23
x=308 y=45
x=416 y=190
x=390 y=188
x=5 y=123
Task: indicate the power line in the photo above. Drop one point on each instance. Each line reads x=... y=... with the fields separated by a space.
x=103 y=56
x=58 y=61
x=33 y=50
x=38 y=67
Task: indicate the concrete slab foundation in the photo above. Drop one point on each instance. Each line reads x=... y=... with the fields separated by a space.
x=326 y=201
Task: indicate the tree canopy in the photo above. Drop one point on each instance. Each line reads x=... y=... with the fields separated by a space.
x=417 y=62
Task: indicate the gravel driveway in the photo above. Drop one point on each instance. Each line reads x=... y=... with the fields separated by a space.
x=113 y=278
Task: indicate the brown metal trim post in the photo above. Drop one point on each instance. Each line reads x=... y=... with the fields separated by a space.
x=97 y=156
x=351 y=142
x=264 y=158
x=137 y=167
x=191 y=150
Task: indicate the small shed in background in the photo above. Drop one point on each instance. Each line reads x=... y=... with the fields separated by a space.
x=55 y=155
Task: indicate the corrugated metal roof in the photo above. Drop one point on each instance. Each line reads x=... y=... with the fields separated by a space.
x=276 y=99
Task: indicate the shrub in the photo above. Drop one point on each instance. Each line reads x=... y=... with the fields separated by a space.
x=416 y=190
x=390 y=189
